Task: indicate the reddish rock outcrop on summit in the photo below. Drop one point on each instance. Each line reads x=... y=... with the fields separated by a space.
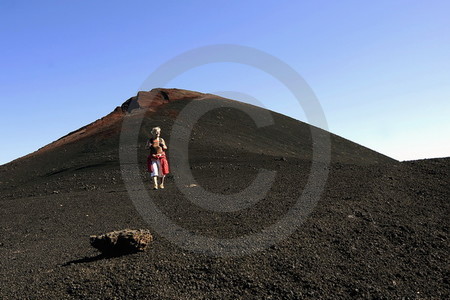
x=153 y=99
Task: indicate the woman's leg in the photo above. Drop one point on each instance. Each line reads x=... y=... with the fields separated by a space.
x=155 y=173
x=161 y=186
x=155 y=182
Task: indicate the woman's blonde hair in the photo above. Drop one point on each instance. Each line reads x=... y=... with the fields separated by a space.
x=156 y=131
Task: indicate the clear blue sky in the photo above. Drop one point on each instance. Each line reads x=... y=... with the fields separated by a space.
x=381 y=69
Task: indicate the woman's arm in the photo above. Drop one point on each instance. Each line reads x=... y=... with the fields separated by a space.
x=163 y=143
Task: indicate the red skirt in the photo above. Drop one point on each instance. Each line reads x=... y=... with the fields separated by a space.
x=162 y=162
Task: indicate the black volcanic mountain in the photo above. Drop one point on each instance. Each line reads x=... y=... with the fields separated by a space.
x=380 y=229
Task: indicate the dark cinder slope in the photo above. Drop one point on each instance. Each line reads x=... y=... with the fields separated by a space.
x=226 y=131
x=379 y=231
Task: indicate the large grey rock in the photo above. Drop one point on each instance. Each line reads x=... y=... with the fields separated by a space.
x=122 y=241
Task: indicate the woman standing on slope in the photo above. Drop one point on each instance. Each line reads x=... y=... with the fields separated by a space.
x=157 y=163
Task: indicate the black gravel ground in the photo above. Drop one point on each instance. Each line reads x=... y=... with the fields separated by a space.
x=379 y=231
